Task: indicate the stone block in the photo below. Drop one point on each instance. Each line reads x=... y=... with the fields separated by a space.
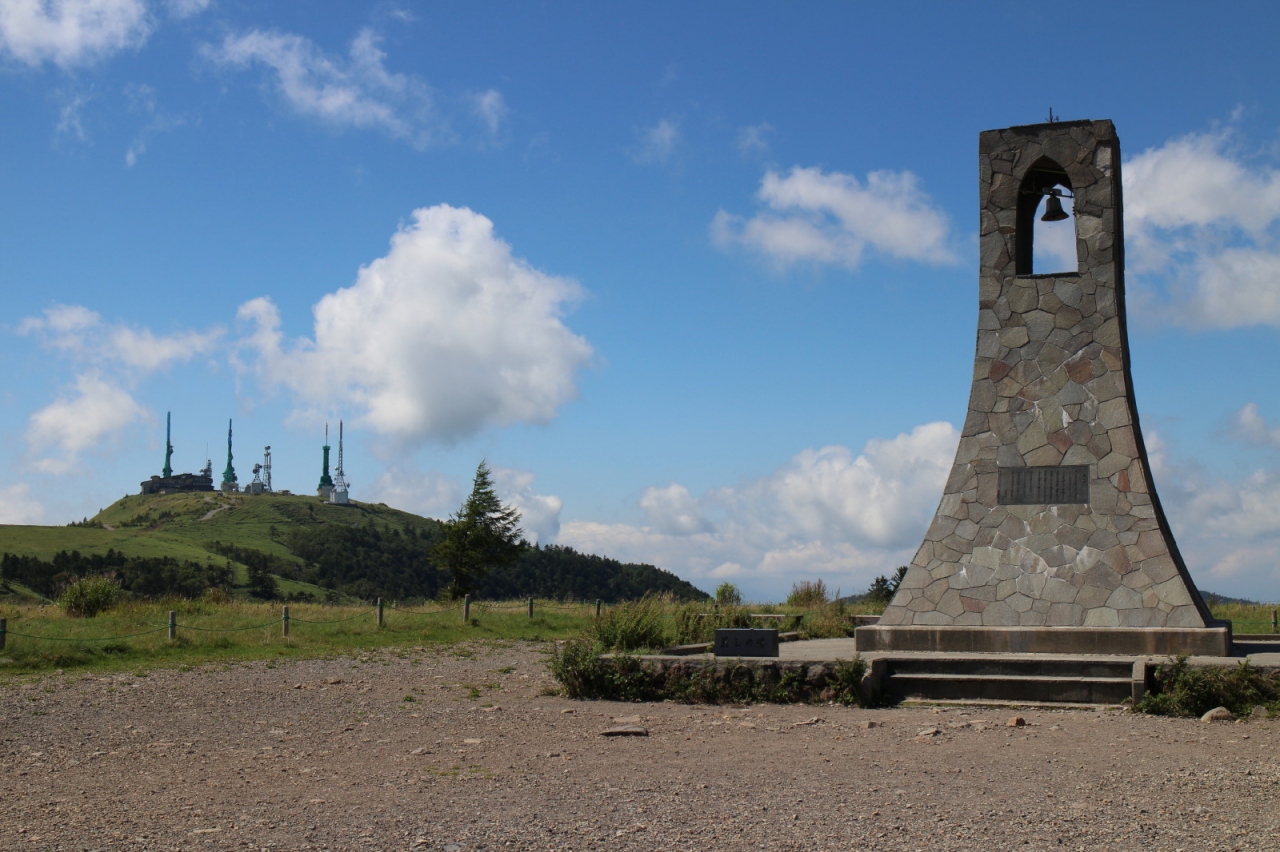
x=999 y=614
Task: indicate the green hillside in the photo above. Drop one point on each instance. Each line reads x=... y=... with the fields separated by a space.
x=313 y=550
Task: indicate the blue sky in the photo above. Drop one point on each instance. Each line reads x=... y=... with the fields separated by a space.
x=698 y=280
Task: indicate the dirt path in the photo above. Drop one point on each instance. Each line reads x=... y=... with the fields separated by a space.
x=221 y=508
x=329 y=754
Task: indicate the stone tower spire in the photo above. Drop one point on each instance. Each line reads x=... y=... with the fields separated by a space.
x=1050 y=519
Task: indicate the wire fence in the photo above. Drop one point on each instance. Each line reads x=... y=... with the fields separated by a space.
x=1243 y=628
x=378 y=610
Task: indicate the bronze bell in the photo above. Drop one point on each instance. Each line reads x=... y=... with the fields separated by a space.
x=1053 y=211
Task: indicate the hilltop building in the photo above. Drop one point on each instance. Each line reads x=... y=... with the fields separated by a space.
x=167 y=483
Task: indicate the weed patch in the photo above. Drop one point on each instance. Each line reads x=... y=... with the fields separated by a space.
x=1183 y=691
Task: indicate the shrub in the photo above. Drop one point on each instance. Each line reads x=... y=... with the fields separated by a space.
x=633 y=625
x=583 y=673
x=88 y=596
x=829 y=621
x=727 y=594
x=808 y=594
x=1183 y=691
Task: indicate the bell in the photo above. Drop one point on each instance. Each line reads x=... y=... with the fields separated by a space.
x=1053 y=211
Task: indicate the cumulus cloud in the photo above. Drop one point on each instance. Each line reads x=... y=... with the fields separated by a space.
x=1249 y=425
x=82 y=333
x=1228 y=529
x=1201 y=224
x=539 y=513
x=432 y=495
x=18 y=506
x=83 y=417
x=71 y=33
x=833 y=218
x=352 y=91
x=826 y=513
x=447 y=334
x=109 y=359
x=656 y=144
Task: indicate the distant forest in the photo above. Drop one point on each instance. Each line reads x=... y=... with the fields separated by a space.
x=365 y=562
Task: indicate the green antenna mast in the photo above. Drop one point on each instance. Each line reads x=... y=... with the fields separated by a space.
x=229 y=475
x=168 y=445
x=326 y=481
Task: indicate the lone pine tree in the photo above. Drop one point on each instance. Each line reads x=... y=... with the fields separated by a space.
x=482 y=536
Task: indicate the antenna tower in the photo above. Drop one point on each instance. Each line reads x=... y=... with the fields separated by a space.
x=168 y=445
x=266 y=467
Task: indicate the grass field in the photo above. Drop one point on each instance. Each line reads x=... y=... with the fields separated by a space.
x=134 y=636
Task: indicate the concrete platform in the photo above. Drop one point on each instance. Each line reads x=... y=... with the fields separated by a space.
x=1016 y=678
x=1201 y=641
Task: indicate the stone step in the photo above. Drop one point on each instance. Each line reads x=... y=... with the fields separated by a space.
x=995 y=666
x=1013 y=688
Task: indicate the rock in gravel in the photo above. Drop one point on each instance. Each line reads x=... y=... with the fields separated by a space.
x=627 y=720
x=1015 y=722
x=1259 y=712
x=868 y=724
x=1218 y=714
x=928 y=732
x=625 y=731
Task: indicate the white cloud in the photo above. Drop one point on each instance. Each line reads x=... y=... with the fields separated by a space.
x=673 y=511
x=432 y=495
x=1227 y=529
x=355 y=91
x=183 y=9
x=81 y=333
x=491 y=109
x=539 y=513
x=833 y=218
x=753 y=140
x=17 y=506
x=446 y=335
x=70 y=118
x=71 y=32
x=1201 y=225
x=656 y=144
x=109 y=360
x=1250 y=426
x=827 y=513
x=142 y=100
x=81 y=419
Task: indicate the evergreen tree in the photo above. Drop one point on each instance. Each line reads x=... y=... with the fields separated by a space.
x=482 y=536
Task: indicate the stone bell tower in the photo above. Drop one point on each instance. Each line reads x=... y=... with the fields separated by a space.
x=1049 y=536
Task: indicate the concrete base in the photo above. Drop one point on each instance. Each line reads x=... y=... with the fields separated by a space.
x=1121 y=641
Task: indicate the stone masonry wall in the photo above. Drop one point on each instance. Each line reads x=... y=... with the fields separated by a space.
x=1051 y=387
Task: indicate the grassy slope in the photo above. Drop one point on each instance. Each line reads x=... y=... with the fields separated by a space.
x=181 y=525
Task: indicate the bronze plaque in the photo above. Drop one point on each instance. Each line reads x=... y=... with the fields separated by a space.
x=1023 y=486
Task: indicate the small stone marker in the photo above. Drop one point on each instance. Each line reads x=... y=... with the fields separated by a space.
x=746 y=642
x=868 y=724
x=625 y=731
x=1217 y=714
x=1016 y=722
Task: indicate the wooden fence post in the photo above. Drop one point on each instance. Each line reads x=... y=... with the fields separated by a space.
x=4 y=630
x=597 y=607
x=379 y=612
x=1275 y=625
x=173 y=625
x=466 y=608
x=531 y=607
x=284 y=619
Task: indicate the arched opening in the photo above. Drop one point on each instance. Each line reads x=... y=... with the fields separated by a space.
x=1046 y=247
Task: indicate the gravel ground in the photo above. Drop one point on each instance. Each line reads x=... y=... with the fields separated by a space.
x=331 y=754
